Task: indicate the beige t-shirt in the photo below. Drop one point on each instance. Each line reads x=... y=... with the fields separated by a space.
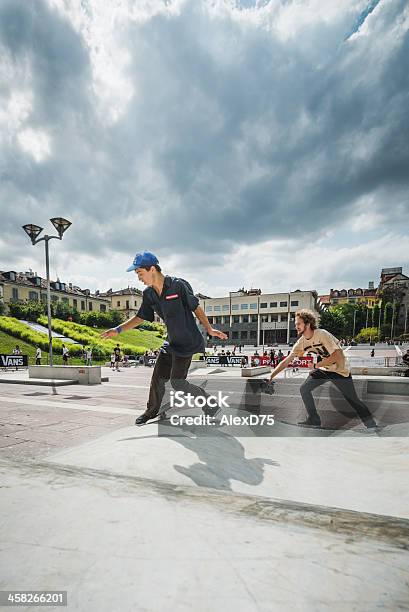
x=323 y=344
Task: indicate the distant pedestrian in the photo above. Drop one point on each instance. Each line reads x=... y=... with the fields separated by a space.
x=65 y=355
x=117 y=351
x=38 y=356
x=88 y=356
x=373 y=353
x=112 y=360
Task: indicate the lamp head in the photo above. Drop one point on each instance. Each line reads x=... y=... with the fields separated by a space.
x=61 y=225
x=32 y=231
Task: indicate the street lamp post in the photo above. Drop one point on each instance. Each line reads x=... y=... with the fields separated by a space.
x=33 y=231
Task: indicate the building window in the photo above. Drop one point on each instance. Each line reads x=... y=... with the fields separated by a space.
x=273 y=304
x=102 y=307
x=284 y=317
x=89 y=305
x=217 y=308
x=75 y=303
x=136 y=304
x=244 y=335
x=235 y=335
x=14 y=293
x=283 y=304
x=253 y=306
x=244 y=306
x=253 y=333
x=234 y=306
x=118 y=304
x=254 y=318
x=210 y=320
x=264 y=318
x=54 y=298
x=294 y=303
x=82 y=305
x=236 y=319
x=226 y=307
x=65 y=300
x=33 y=296
x=209 y=308
x=263 y=305
x=274 y=318
x=218 y=320
x=245 y=318
x=127 y=304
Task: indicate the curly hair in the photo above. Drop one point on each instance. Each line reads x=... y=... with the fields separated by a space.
x=308 y=316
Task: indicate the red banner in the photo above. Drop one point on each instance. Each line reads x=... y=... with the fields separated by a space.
x=302 y=362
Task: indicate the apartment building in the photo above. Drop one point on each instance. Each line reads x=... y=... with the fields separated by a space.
x=394 y=278
x=369 y=296
x=127 y=301
x=253 y=317
x=28 y=286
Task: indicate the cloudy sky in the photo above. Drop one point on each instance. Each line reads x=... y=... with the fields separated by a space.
x=248 y=142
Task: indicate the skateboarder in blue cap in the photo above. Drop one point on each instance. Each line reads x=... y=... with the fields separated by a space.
x=173 y=300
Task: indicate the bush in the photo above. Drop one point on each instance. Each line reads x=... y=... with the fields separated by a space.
x=112 y=318
x=368 y=334
x=17 y=329
x=28 y=311
x=88 y=337
x=158 y=327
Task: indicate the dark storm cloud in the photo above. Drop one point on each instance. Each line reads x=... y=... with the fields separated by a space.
x=234 y=135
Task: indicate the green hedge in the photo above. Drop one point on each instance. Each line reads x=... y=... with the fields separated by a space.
x=13 y=327
x=88 y=337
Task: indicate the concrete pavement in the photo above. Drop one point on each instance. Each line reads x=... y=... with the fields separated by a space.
x=125 y=519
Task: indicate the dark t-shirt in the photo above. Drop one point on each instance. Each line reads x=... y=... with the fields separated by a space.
x=117 y=351
x=175 y=306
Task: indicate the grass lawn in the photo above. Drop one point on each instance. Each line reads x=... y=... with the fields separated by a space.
x=8 y=343
x=137 y=337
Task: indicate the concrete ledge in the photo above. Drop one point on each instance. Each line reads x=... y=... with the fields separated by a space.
x=84 y=375
x=377 y=371
x=397 y=386
x=255 y=371
x=38 y=381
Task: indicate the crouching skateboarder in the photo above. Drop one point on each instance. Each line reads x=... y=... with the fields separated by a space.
x=331 y=366
x=173 y=300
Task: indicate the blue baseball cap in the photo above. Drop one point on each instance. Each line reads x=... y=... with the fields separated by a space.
x=143 y=259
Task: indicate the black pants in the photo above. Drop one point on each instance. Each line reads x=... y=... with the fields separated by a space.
x=344 y=384
x=173 y=368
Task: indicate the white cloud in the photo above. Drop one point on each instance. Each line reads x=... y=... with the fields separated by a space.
x=35 y=142
x=208 y=131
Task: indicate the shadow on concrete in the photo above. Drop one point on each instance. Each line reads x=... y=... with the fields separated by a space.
x=221 y=457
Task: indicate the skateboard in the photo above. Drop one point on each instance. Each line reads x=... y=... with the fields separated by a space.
x=262 y=385
x=166 y=407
